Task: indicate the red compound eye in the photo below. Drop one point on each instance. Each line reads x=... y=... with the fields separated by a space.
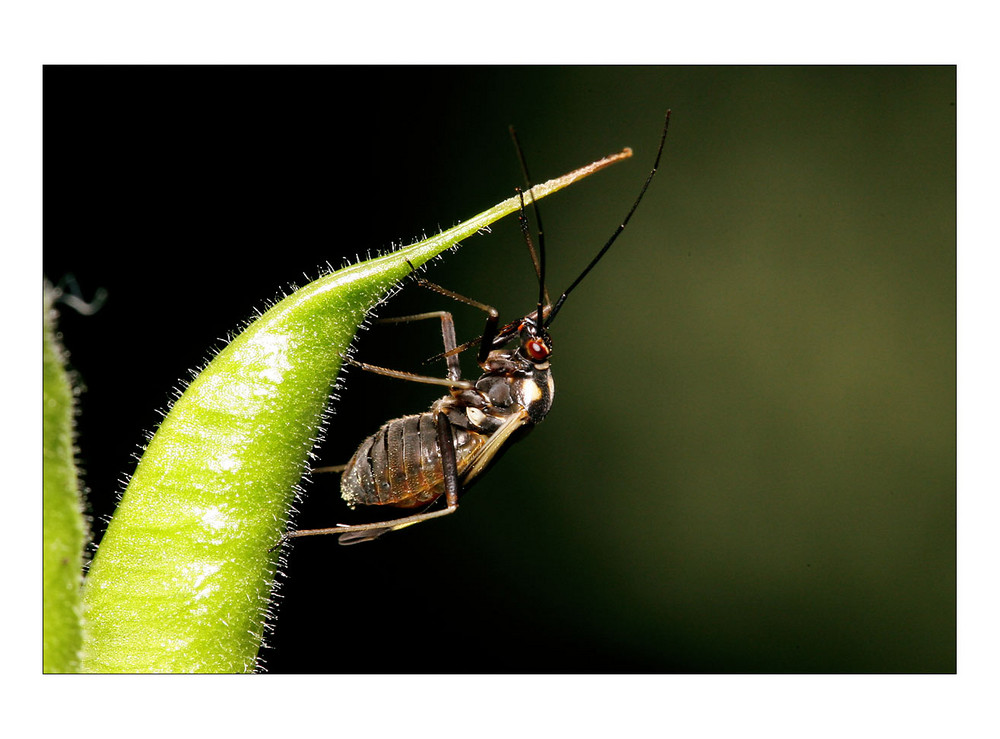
x=536 y=350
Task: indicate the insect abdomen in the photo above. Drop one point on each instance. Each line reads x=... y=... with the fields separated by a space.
x=400 y=465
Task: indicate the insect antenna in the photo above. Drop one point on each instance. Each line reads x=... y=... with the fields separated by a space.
x=542 y=295
x=617 y=233
x=537 y=258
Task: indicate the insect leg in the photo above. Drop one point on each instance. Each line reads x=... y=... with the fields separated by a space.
x=449 y=463
x=489 y=332
x=354 y=534
x=401 y=375
x=450 y=350
x=332 y=468
x=453 y=380
x=447 y=335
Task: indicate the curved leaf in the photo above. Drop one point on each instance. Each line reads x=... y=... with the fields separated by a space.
x=183 y=576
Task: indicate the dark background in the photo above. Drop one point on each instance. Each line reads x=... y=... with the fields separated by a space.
x=750 y=465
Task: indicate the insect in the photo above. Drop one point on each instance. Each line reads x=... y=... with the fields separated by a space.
x=413 y=461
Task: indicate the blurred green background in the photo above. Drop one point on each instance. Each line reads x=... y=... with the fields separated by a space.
x=750 y=465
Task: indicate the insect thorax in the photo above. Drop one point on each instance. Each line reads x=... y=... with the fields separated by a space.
x=511 y=382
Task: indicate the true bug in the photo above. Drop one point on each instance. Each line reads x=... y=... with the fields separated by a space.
x=412 y=461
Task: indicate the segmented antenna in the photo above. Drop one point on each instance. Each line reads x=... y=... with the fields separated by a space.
x=526 y=232
x=538 y=259
x=617 y=233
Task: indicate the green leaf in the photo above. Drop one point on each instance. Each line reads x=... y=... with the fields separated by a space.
x=63 y=528
x=183 y=576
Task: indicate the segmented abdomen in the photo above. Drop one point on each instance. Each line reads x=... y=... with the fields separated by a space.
x=400 y=464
